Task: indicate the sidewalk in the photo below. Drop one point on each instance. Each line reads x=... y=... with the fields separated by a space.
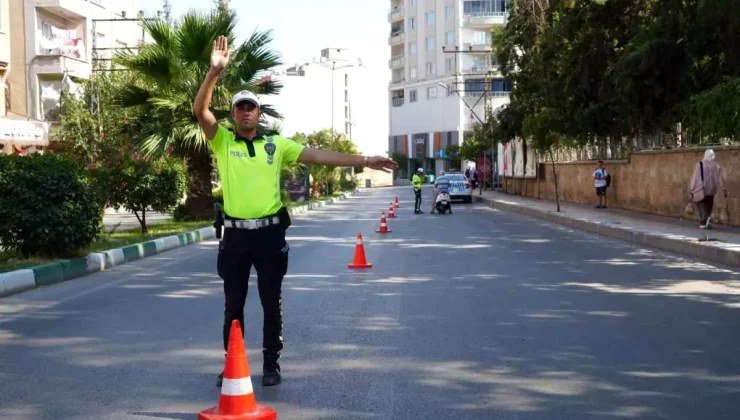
x=721 y=244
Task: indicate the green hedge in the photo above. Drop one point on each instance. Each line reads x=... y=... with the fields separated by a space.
x=48 y=206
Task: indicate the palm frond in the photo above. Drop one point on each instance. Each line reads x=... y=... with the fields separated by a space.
x=254 y=56
x=270 y=87
x=131 y=96
x=269 y=110
x=197 y=31
x=153 y=62
x=191 y=136
x=161 y=32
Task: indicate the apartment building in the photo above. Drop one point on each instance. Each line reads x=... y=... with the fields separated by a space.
x=442 y=69
x=53 y=43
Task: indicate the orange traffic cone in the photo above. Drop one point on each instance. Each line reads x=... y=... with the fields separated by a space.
x=237 y=400
x=383 y=225
x=360 y=261
x=398 y=205
x=391 y=215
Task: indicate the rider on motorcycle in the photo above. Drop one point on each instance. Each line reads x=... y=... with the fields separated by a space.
x=441 y=185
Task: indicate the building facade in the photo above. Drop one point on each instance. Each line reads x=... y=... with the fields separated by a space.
x=335 y=90
x=442 y=73
x=53 y=42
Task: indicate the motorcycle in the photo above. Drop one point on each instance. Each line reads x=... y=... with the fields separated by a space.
x=442 y=204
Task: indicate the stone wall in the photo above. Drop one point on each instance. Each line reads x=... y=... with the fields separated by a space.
x=654 y=182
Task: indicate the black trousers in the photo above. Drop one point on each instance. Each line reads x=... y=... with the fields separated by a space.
x=417 y=203
x=267 y=250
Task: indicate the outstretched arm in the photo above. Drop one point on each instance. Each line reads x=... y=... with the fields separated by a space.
x=331 y=158
x=219 y=59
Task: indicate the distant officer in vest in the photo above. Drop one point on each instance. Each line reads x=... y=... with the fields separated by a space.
x=417 y=181
x=255 y=220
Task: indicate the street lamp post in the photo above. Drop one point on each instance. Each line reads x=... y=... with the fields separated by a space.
x=332 y=68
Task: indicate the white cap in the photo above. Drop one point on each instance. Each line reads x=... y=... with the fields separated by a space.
x=245 y=95
x=420 y=169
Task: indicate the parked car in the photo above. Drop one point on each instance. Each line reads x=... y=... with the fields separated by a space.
x=460 y=187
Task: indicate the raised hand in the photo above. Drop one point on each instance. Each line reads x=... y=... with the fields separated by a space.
x=220 y=53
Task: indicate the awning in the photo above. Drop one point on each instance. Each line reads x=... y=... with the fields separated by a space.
x=23 y=132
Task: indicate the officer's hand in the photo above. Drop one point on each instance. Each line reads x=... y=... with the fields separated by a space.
x=381 y=163
x=220 y=53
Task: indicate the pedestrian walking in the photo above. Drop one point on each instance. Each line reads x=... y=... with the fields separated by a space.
x=416 y=180
x=706 y=182
x=255 y=219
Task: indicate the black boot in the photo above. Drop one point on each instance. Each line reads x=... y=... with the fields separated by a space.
x=220 y=379
x=271 y=374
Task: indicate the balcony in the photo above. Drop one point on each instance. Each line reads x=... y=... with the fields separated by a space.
x=396 y=102
x=398 y=13
x=398 y=81
x=54 y=40
x=482 y=69
x=397 y=61
x=73 y=10
x=58 y=64
x=397 y=38
x=485 y=13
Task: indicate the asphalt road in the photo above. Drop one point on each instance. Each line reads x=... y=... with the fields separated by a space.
x=478 y=315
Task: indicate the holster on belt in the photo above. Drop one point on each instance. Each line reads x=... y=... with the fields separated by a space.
x=218 y=222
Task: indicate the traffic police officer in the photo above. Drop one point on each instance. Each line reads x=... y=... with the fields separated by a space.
x=249 y=164
x=416 y=180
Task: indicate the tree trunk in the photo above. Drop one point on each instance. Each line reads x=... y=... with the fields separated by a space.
x=142 y=220
x=199 y=203
x=555 y=180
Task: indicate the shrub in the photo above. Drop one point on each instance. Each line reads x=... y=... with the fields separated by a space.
x=149 y=186
x=47 y=205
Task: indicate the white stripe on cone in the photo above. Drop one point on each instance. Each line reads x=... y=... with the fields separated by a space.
x=237 y=387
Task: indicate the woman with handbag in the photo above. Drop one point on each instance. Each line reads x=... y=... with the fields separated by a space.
x=705 y=184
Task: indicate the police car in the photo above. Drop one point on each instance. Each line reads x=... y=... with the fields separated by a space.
x=460 y=187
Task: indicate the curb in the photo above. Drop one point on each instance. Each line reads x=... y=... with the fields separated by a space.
x=18 y=281
x=710 y=251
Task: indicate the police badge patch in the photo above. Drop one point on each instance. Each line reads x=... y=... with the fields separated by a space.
x=270 y=149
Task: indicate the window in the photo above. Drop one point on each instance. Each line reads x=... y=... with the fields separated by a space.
x=412 y=72
x=412 y=95
x=346 y=96
x=346 y=112
x=412 y=48
x=49 y=97
x=432 y=92
x=479 y=38
x=449 y=12
x=430 y=43
x=412 y=24
x=346 y=80
x=431 y=17
x=485 y=8
x=346 y=128
x=412 y=2
x=450 y=38
x=450 y=65
x=431 y=68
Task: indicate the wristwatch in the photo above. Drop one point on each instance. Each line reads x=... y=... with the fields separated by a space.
x=366 y=161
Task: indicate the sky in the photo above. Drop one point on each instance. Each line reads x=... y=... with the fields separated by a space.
x=301 y=28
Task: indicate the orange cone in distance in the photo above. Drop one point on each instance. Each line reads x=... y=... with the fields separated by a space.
x=383 y=225
x=397 y=205
x=359 y=261
x=391 y=215
x=237 y=400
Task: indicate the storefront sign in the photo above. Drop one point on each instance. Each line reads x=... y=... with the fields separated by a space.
x=24 y=133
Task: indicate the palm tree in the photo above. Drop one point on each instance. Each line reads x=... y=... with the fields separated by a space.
x=170 y=72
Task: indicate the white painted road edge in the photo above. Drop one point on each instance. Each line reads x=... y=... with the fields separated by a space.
x=16 y=281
